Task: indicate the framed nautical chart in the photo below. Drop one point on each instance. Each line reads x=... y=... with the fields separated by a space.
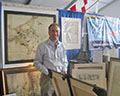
x=23 y=81
x=23 y=32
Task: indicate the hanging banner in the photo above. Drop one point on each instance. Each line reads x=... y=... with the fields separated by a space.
x=103 y=32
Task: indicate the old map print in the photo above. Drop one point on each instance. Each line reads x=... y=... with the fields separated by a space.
x=92 y=76
x=24 y=84
x=71 y=32
x=24 y=33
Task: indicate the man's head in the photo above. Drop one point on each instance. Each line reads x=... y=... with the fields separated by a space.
x=54 y=32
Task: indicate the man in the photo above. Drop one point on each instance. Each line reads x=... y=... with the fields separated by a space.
x=51 y=55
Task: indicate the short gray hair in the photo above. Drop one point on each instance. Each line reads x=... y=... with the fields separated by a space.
x=53 y=24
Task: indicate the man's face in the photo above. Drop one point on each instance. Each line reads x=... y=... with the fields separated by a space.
x=54 y=33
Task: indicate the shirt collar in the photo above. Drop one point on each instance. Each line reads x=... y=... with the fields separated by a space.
x=52 y=43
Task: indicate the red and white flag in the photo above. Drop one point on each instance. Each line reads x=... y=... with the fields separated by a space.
x=79 y=5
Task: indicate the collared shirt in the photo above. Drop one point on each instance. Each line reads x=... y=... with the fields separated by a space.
x=49 y=57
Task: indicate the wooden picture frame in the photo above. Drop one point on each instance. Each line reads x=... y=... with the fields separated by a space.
x=81 y=88
x=113 y=77
x=60 y=84
x=23 y=32
x=91 y=73
x=24 y=81
x=65 y=85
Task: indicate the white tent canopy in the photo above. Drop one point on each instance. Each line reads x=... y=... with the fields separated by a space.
x=92 y=6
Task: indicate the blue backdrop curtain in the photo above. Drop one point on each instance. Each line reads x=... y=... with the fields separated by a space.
x=71 y=54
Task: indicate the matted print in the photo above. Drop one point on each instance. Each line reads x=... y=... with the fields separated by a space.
x=91 y=73
x=71 y=33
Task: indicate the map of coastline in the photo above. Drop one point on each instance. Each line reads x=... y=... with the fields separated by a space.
x=24 y=33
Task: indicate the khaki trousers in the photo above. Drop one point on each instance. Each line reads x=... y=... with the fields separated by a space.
x=47 y=88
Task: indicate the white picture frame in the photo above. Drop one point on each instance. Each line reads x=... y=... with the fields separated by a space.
x=71 y=32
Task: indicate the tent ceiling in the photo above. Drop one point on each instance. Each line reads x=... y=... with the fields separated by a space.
x=61 y=4
x=97 y=5
x=92 y=5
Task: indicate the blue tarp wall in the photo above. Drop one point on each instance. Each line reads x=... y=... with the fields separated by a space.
x=71 y=54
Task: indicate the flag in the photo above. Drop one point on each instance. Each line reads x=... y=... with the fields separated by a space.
x=79 y=5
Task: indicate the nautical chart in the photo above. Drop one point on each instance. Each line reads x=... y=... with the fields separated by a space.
x=24 y=33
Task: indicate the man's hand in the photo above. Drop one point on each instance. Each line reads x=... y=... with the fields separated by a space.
x=50 y=73
x=64 y=72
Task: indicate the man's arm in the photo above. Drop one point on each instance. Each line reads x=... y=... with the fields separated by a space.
x=65 y=62
x=38 y=61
